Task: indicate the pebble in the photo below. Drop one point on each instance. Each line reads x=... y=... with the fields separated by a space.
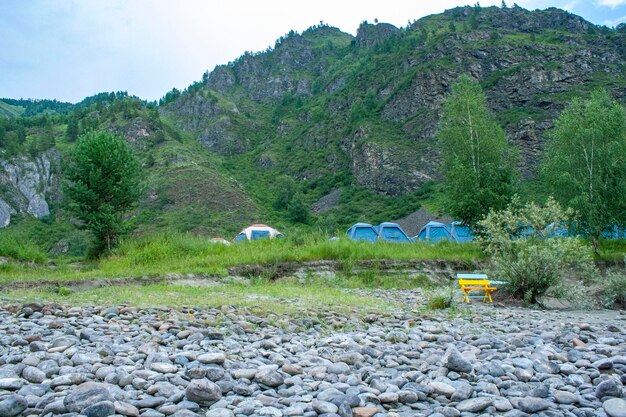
x=615 y=407
x=13 y=405
x=474 y=405
x=226 y=362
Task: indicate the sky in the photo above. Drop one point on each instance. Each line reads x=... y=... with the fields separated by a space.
x=71 y=49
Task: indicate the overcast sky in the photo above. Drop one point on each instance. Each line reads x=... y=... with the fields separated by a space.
x=70 y=49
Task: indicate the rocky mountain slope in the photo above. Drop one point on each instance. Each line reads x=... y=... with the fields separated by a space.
x=347 y=122
x=322 y=103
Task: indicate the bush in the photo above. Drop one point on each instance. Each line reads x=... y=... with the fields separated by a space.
x=441 y=299
x=521 y=255
x=614 y=292
x=20 y=249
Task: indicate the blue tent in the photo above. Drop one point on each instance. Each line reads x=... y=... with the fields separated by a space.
x=461 y=232
x=612 y=232
x=362 y=231
x=391 y=232
x=556 y=230
x=434 y=232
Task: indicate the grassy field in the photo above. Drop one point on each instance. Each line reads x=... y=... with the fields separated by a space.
x=186 y=254
x=263 y=297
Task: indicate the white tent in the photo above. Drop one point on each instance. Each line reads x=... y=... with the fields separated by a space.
x=258 y=231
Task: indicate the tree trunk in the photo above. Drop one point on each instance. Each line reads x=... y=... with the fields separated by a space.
x=595 y=242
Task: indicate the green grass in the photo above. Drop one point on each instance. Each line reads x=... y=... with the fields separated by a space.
x=264 y=297
x=612 y=250
x=20 y=249
x=158 y=255
x=8 y=110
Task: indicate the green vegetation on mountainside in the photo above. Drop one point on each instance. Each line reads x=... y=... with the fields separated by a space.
x=328 y=113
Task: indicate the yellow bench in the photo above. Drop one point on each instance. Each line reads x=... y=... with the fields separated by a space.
x=475 y=286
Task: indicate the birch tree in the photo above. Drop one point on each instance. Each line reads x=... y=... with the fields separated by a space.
x=585 y=163
x=478 y=163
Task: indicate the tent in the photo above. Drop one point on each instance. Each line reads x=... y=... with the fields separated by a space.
x=362 y=231
x=435 y=232
x=391 y=232
x=258 y=231
x=461 y=232
x=614 y=232
x=556 y=230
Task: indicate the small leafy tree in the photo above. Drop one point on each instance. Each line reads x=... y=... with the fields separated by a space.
x=285 y=189
x=478 y=164
x=522 y=255
x=298 y=210
x=585 y=163
x=102 y=184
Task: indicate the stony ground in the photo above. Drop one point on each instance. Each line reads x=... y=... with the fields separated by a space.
x=61 y=360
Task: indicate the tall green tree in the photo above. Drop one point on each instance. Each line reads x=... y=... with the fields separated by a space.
x=584 y=165
x=102 y=184
x=478 y=163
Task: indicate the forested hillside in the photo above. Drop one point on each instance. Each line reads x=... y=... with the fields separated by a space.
x=321 y=130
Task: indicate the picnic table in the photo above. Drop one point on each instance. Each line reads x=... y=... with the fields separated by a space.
x=477 y=286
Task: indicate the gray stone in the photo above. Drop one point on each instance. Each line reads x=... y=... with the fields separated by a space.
x=604 y=364
x=532 y=405
x=609 y=388
x=220 y=412
x=565 y=397
x=125 y=409
x=203 y=392
x=217 y=358
x=101 y=409
x=13 y=405
x=164 y=368
x=11 y=384
x=454 y=361
x=615 y=407
x=86 y=394
x=442 y=388
x=388 y=397
x=474 y=405
x=269 y=377
x=324 y=407
x=34 y=375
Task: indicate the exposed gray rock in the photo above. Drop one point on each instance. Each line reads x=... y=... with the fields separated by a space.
x=609 y=388
x=13 y=405
x=615 y=407
x=454 y=361
x=86 y=394
x=26 y=182
x=101 y=409
x=474 y=405
x=269 y=377
x=203 y=392
x=532 y=405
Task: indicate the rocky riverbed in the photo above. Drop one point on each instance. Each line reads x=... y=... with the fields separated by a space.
x=225 y=362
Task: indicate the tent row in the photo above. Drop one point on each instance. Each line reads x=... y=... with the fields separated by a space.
x=565 y=230
x=392 y=232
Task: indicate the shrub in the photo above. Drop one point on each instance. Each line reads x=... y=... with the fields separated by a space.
x=614 y=291
x=441 y=299
x=521 y=254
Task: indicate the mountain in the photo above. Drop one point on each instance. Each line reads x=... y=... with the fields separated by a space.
x=29 y=107
x=344 y=124
x=322 y=104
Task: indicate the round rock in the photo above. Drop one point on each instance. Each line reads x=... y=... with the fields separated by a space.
x=203 y=392
x=13 y=405
x=615 y=407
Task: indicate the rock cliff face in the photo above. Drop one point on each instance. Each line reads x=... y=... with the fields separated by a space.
x=306 y=107
x=28 y=186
